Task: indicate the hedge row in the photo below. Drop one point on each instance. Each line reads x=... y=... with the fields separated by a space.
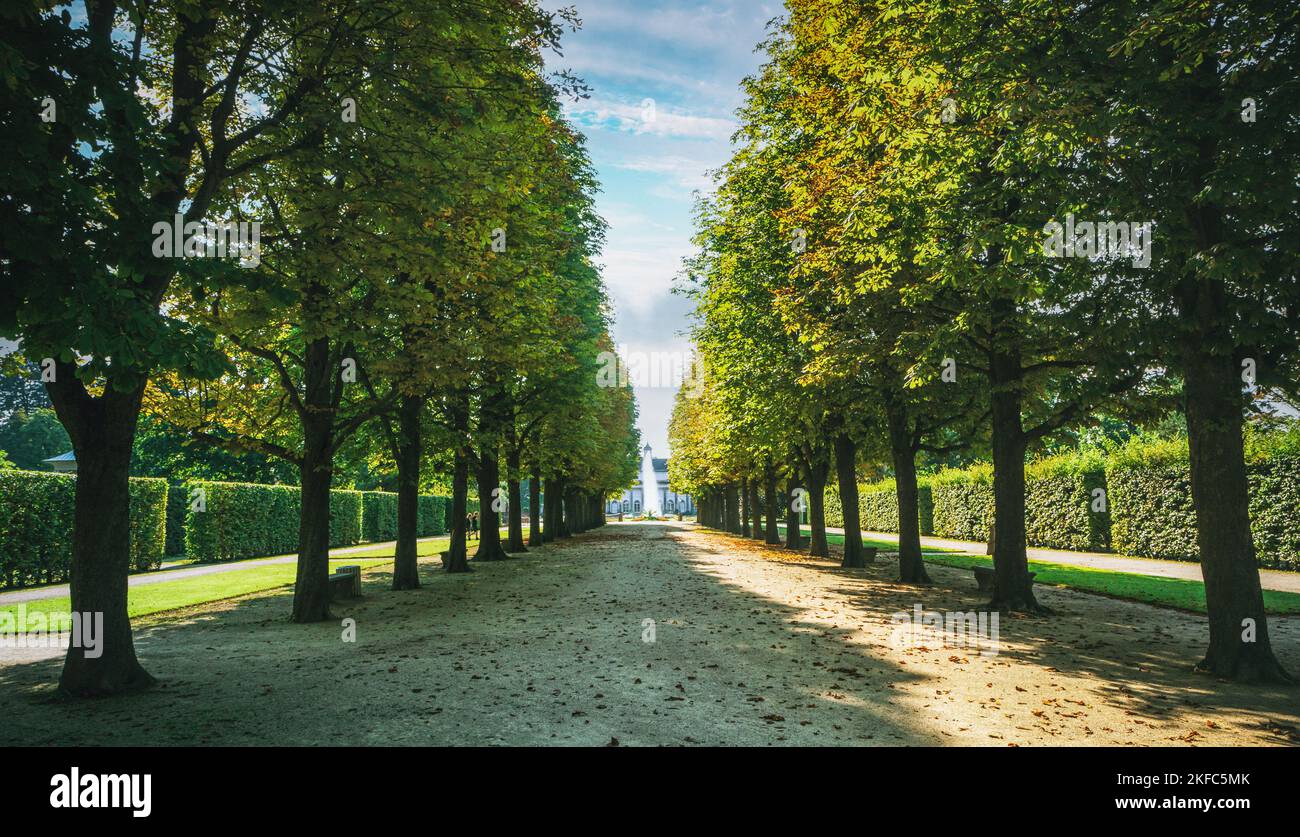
x=246 y=520
x=1147 y=509
x=36 y=515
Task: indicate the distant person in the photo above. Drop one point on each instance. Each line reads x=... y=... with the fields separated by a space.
x=473 y=526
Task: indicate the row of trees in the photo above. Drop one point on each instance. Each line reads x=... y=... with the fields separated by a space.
x=422 y=296
x=875 y=279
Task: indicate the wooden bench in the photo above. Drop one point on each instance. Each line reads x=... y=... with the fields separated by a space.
x=985 y=578
x=345 y=582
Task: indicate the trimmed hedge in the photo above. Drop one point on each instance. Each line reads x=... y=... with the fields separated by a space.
x=1148 y=510
x=241 y=520
x=1059 y=502
x=177 y=501
x=36 y=515
x=963 y=503
x=247 y=520
x=378 y=515
x=1150 y=490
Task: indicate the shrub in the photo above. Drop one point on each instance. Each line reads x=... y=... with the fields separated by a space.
x=345 y=518
x=1152 y=515
x=1059 y=502
x=247 y=520
x=177 y=502
x=962 y=502
x=36 y=516
x=148 y=522
x=379 y=516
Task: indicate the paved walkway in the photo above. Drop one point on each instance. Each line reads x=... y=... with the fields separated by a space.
x=189 y=570
x=1269 y=579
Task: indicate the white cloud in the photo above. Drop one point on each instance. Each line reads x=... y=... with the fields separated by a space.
x=648 y=117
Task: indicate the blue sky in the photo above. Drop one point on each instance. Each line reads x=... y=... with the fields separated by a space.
x=689 y=59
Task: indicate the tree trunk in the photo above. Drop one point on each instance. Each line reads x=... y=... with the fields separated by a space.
x=561 y=510
x=1012 y=590
x=770 y=511
x=457 y=560
x=793 y=537
x=732 y=523
x=911 y=567
x=551 y=517
x=489 y=530
x=745 y=507
x=406 y=566
x=311 y=593
x=817 y=474
x=846 y=454
x=1239 y=648
x=515 y=513
x=102 y=430
x=757 y=505
x=535 y=511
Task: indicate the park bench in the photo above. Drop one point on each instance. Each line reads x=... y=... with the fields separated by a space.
x=345 y=582
x=984 y=577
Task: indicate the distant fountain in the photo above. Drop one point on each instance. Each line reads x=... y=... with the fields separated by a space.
x=649 y=485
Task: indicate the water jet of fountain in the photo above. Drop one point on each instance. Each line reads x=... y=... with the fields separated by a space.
x=649 y=485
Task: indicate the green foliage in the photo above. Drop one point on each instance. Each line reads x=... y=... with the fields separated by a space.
x=1150 y=489
x=31 y=438
x=1059 y=503
x=378 y=516
x=345 y=518
x=177 y=502
x=963 y=502
x=36 y=514
x=241 y=520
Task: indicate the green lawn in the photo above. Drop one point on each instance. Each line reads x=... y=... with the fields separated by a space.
x=838 y=540
x=183 y=592
x=1181 y=593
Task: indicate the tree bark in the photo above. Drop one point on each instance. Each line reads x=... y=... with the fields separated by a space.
x=489 y=530
x=911 y=566
x=846 y=453
x=757 y=506
x=457 y=560
x=732 y=498
x=561 y=510
x=406 y=566
x=817 y=475
x=1013 y=591
x=515 y=513
x=744 y=507
x=102 y=430
x=793 y=537
x=311 y=594
x=535 y=510
x=1239 y=647
x=770 y=511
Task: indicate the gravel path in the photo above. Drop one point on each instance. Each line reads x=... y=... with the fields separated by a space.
x=750 y=645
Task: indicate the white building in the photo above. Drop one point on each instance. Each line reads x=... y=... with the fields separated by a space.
x=633 y=500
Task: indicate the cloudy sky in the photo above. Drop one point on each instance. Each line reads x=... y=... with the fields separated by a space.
x=687 y=59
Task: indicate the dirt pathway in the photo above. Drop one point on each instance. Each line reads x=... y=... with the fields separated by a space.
x=750 y=645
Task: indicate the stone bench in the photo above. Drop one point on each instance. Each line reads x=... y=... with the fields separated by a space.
x=985 y=577
x=345 y=582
